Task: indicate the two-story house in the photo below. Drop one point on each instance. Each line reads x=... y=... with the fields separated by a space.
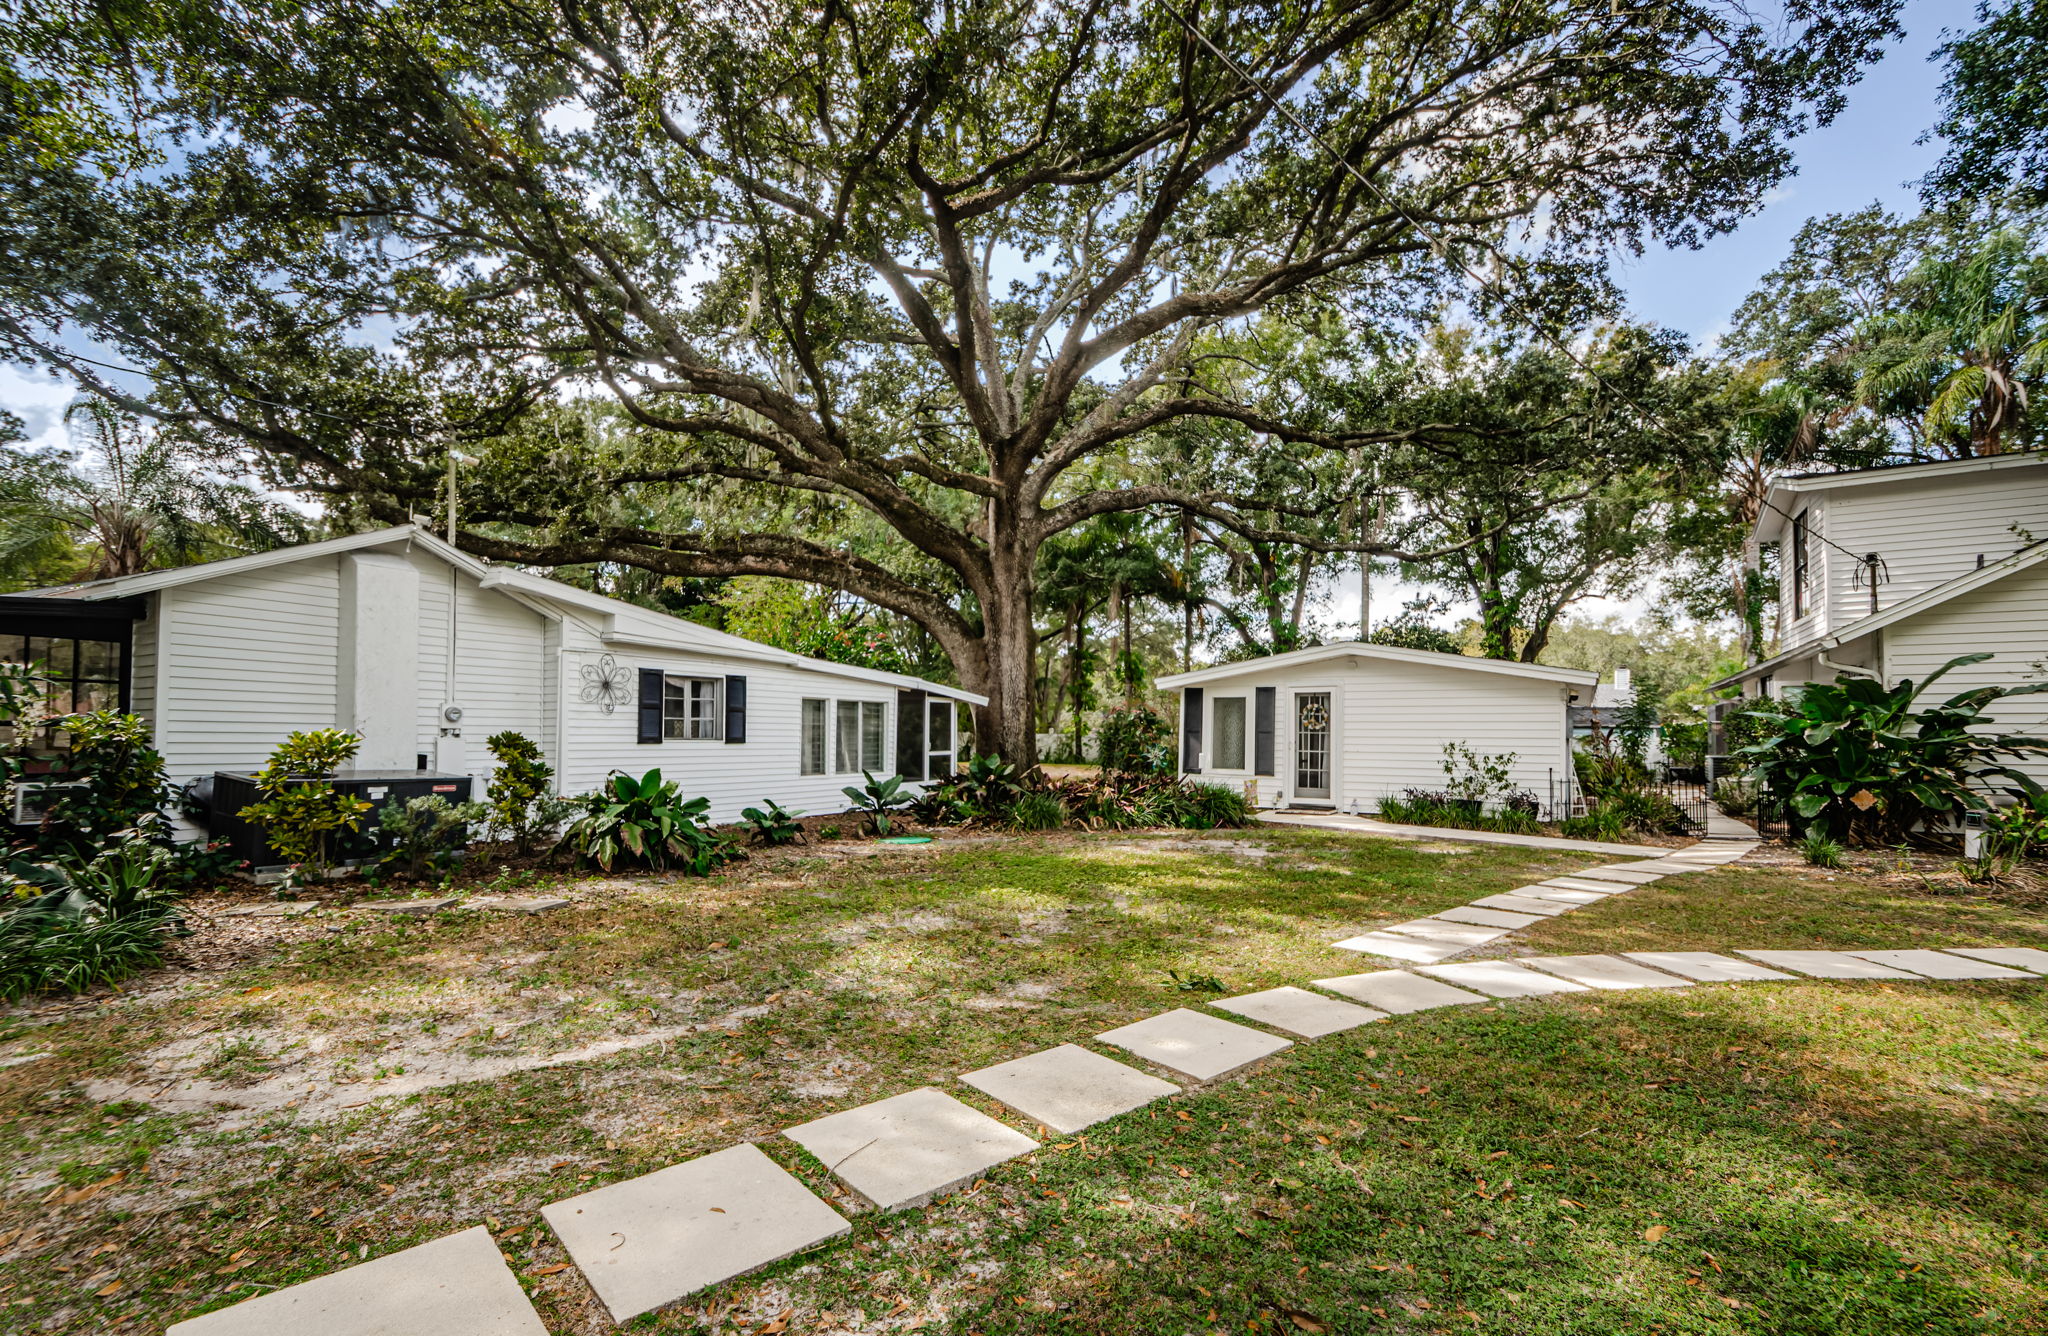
x=1891 y=572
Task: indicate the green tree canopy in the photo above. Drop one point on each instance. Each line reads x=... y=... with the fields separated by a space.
x=920 y=262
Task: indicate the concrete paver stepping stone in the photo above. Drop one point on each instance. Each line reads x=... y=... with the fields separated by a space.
x=519 y=904
x=1437 y=930
x=907 y=1149
x=1488 y=918
x=654 y=1239
x=431 y=906
x=1633 y=876
x=1826 y=964
x=457 y=1286
x=1201 y=1048
x=1708 y=966
x=1561 y=894
x=1396 y=947
x=1398 y=991
x=1584 y=884
x=1069 y=1088
x=1501 y=978
x=1940 y=965
x=1523 y=904
x=2019 y=957
x=1605 y=972
x=1300 y=1012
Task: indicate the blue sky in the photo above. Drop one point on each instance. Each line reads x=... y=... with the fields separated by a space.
x=1868 y=154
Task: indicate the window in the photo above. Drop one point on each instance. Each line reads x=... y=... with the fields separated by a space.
x=693 y=707
x=1229 y=733
x=846 y=738
x=79 y=676
x=812 y=762
x=871 y=718
x=858 y=737
x=1801 y=564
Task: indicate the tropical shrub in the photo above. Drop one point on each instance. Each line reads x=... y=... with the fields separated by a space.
x=1736 y=797
x=1858 y=759
x=775 y=825
x=646 y=821
x=1476 y=777
x=522 y=804
x=300 y=812
x=1438 y=807
x=876 y=798
x=125 y=786
x=1136 y=740
x=425 y=833
x=2010 y=834
x=989 y=785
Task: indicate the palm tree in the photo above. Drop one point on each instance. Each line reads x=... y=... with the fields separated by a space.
x=131 y=500
x=1969 y=338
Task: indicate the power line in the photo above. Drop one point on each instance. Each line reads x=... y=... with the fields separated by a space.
x=1437 y=244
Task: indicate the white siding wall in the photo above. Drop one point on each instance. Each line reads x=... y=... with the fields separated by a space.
x=500 y=671
x=1794 y=631
x=1928 y=532
x=247 y=659
x=1392 y=720
x=2009 y=620
x=732 y=775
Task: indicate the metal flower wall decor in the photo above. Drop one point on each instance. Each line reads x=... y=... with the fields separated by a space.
x=606 y=684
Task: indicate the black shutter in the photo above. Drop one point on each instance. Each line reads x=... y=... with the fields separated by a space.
x=1267 y=699
x=650 y=704
x=910 y=734
x=1191 y=731
x=735 y=708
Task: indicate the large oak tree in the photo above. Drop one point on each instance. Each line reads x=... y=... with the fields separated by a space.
x=934 y=262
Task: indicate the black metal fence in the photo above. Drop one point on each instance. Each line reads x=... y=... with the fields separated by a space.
x=1689 y=788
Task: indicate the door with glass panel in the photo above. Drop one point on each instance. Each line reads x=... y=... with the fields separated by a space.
x=1312 y=745
x=938 y=739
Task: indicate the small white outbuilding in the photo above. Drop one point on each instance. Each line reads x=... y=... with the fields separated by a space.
x=1343 y=726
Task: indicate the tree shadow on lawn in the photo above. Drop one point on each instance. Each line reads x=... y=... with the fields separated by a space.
x=1505 y=1171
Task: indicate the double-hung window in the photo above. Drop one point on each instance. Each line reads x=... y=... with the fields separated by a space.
x=693 y=708
x=857 y=736
x=812 y=760
x=1229 y=753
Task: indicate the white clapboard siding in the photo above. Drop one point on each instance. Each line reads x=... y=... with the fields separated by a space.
x=2007 y=619
x=1928 y=532
x=249 y=659
x=1391 y=722
x=732 y=775
x=1798 y=630
x=500 y=681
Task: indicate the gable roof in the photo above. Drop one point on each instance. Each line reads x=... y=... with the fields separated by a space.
x=1969 y=581
x=620 y=622
x=1364 y=650
x=1781 y=501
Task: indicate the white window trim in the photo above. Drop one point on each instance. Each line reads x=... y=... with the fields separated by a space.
x=707 y=725
x=884 y=764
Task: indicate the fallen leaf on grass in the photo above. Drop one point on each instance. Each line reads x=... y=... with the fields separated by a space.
x=779 y=1324
x=1304 y=1321
x=110 y=1288
x=550 y=1270
x=1655 y=1233
x=1575 y=1205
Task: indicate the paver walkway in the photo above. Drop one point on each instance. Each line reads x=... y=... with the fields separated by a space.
x=708 y=1220
x=1365 y=825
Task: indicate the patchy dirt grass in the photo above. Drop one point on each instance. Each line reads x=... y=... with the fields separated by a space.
x=1823 y=1157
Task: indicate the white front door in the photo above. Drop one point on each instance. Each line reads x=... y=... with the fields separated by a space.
x=1312 y=745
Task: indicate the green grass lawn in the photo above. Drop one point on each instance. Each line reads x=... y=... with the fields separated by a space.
x=1767 y=1158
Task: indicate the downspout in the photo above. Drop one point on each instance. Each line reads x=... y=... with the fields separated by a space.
x=1851 y=669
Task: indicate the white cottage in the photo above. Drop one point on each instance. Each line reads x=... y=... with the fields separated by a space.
x=426 y=651
x=1343 y=726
